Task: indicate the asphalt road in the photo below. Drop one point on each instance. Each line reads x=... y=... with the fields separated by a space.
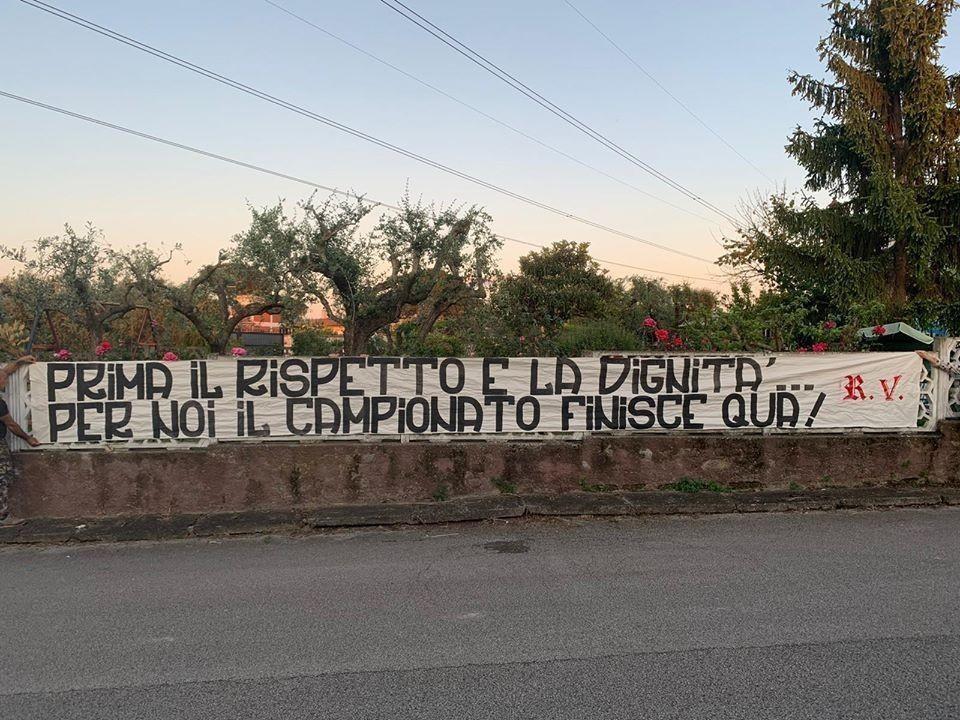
x=836 y=615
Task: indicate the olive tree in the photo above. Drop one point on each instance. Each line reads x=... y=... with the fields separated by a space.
x=80 y=276
x=416 y=262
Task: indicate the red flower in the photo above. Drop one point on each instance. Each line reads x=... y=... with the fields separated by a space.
x=879 y=330
x=678 y=341
x=819 y=347
x=802 y=349
x=829 y=325
x=103 y=348
x=661 y=335
x=649 y=322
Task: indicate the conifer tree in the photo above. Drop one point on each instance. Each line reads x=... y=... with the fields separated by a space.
x=885 y=151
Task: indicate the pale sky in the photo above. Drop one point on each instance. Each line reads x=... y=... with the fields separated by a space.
x=726 y=61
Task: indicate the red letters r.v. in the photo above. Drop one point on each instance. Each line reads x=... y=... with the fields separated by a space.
x=854 y=388
x=888 y=391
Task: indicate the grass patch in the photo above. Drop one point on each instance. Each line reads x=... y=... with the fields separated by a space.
x=442 y=493
x=595 y=488
x=694 y=485
x=505 y=486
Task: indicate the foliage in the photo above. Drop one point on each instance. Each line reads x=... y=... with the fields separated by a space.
x=418 y=262
x=260 y=273
x=175 y=332
x=885 y=152
x=642 y=297
x=313 y=341
x=765 y=321
x=13 y=337
x=589 y=487
x=695 y=485
x=582 y=336
x=505 y=486
x=688 y=300
x=481 y=331
x=78 y=276
x=26 y=296
x=407 y=340
x=553 y=286
x=670 y=305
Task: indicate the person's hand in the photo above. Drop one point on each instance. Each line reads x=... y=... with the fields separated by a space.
x=929 y=356
x=26 y=360
x=33 y=442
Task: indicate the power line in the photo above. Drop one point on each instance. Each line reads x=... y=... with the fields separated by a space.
x=224 y=80
x=660 y=85
x=618 y=264
x=285 y=176
x=479 y=111
x=440 y=34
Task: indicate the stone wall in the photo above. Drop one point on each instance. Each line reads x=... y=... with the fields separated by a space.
x=233 y=477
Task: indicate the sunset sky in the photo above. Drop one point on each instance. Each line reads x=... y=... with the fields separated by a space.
x=726 y=61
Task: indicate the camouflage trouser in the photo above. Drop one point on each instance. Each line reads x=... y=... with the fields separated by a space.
x=6 y=477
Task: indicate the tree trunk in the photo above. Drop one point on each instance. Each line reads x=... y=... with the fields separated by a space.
x=898 y=286
x=358 y=331
x=34 y=328
x=426 y=321
x=355 y=340
x=218 y=345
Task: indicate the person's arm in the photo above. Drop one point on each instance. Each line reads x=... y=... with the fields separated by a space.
x=11 y=367
x=934 y=359
x=14 y=427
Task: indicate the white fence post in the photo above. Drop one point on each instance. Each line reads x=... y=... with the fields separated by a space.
x=948 y=387
x=18 y=402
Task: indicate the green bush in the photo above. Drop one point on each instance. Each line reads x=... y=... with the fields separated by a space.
x=442 y=345
x=438 y=343
x=582 y=336
x=311 y=341
x=694 y=485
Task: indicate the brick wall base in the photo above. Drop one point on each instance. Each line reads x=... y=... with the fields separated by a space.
x=234 y=477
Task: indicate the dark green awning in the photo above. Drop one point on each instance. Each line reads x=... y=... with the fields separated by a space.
x=897 y=336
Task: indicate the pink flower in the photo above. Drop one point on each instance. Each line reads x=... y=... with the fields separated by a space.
x=170 y=356
x=62 y=354
x=103 y=348
x=649 y=322
x=830 y=325
x=522 y=338
x=239 y=352
x=819 y=347
x=678 y=341
x=661 y=335
x=879 y=330
x=802 y=349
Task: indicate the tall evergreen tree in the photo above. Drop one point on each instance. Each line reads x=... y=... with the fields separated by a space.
x=886 y=150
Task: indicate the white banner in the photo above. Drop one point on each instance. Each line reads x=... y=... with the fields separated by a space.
x=97 y=402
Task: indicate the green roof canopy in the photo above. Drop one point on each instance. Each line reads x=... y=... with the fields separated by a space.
x=898 y=336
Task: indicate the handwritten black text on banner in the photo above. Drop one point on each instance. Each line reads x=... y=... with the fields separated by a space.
x=231 y=399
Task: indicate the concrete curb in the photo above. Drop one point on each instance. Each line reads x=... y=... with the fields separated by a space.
x=155 y=527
